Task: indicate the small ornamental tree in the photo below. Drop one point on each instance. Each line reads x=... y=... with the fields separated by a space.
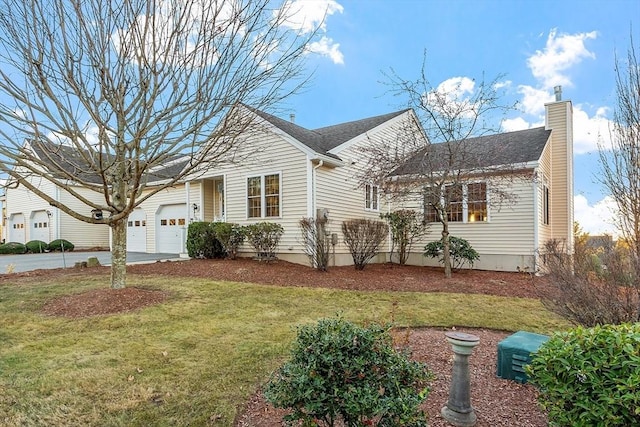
x=343 y=374
x=460 y=250
x=590 y=376
x=315 y=242
x=363 y=237
x=406 y=227
x=264 y=237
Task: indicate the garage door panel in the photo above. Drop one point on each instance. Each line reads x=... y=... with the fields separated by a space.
x=171 y=225
x=39 y=226
x=137 y=231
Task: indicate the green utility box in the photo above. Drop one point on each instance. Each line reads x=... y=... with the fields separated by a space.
x=515 y=351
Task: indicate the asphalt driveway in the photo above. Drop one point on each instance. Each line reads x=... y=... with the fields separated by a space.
x=28 y=262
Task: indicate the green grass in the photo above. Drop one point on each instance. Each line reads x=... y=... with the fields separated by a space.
x=195 y=359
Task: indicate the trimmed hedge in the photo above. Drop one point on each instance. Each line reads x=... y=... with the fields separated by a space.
x=13 y=248
x=590 y=376
x=37 y=246
x=60 y=245
x=202 y=241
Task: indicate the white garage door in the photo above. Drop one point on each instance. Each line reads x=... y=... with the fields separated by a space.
x=171 y=228
x=137 y=231
x=16 y=228
x=39 y=226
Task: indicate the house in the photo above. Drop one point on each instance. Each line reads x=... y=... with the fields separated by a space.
x=289 y=172
x=515 y=192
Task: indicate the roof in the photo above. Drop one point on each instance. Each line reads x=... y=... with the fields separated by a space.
x=510 y=148
x=325 y=139
x=64 y=160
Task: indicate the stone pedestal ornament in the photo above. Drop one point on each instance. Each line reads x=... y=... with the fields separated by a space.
x=458 y=410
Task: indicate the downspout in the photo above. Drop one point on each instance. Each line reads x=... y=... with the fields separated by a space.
x=536 y=220
x=187 y=189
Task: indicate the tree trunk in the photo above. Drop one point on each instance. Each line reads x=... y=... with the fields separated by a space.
x=119 y=254
x=446 y=252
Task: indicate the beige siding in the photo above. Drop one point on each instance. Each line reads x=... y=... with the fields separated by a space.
x=61 y=225
x=505 y=242
x=544 y=176
x=560 y=122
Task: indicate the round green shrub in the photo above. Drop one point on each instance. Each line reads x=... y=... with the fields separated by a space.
x=13 y=248
x=342 y=372
x=590 y=376
x=37 y=246
x=202 y=241
x=60 y=245
x=460 y=250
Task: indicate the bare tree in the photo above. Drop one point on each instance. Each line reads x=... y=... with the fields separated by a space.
x=620 y=166
x=455 y=115
x=106 y=96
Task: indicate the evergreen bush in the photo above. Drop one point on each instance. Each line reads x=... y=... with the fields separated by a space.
x=460 y=250
x=202 y=242
x=230 y=235
x=343 y=374
x=60 y=245
x=590 y=376
x=37 y=246
x=13 y=248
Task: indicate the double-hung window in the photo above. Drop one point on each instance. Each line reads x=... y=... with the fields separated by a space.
x=371 y=197
x=263 y=196
x=462 y=203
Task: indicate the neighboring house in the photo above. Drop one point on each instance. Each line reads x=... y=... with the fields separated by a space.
x=289 y=172
x=532 y=169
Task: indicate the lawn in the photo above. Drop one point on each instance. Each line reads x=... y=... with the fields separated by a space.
x=195 y=359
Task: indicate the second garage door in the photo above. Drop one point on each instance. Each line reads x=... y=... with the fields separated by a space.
x=171 y=228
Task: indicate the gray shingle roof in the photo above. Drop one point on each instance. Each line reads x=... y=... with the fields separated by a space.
x=510 y=148
x=64 y=160
x=324 y=139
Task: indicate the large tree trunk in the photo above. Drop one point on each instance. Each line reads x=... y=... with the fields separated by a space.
x=119 y=254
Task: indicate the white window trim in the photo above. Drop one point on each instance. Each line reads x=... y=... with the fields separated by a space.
x=368 y=194
x=263 y=201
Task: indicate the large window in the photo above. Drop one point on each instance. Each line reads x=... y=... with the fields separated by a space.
x=464 y=203
x=263 y=196
x=477 y=202
x=371 y=198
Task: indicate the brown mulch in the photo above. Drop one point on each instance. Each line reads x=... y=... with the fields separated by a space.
x=496 y=402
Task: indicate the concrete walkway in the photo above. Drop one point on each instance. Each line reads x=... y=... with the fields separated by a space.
x=28 y=262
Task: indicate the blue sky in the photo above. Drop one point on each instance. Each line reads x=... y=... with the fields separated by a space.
x=535 y=44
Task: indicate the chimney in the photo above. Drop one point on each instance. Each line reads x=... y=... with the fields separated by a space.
x=292 y=117
x=557 y=90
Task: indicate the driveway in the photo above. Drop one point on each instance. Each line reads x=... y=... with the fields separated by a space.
x=28 y=262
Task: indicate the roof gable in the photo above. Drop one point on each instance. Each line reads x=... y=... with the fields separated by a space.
x=325 y=139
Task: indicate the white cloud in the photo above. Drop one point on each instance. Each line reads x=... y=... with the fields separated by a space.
x=510 y=125
x=453 y=97
x=589 y=131
x=326 y=47
x=533 y=99
x=306 y=16
x=598 y=218
x=561 y=52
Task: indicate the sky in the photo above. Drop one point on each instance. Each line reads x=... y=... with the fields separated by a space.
x=533 y=45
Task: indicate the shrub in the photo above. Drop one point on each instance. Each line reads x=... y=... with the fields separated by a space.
x=202 y=242
x=315 y=242
x=363 y=237
x=594 y=287
x=342 y=372
x=37 y=246
x=406 y=227
x=13 y=248
x=61 y=245
x=460 y=250
x=230 y=235
x=590 y=377
x=264 y=237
